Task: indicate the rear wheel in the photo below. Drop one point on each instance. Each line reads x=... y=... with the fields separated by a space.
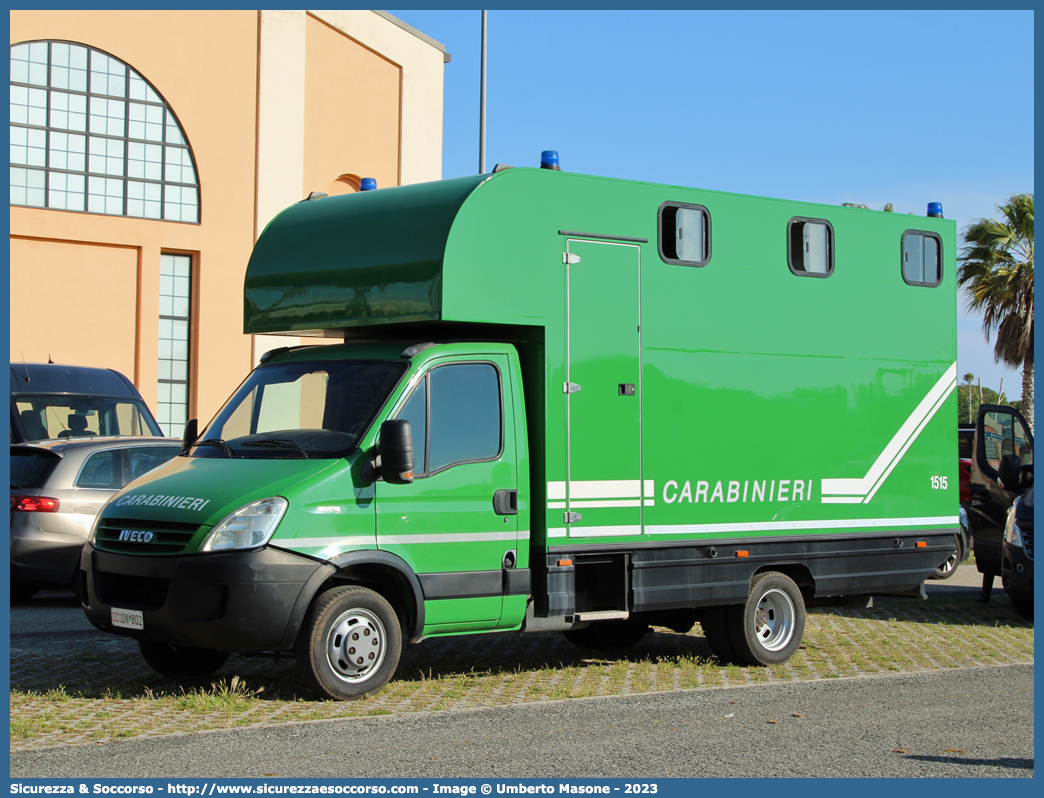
x=350 y=644
x=612 y=635
x=949 y=568
x=181 y=662
x=767 y=629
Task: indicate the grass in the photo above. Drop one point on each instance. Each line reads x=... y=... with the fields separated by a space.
x=117 y=696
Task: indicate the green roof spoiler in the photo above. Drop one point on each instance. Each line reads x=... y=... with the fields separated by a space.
x=355 y=259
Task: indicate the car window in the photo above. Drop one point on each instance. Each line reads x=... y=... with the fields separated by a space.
x=30 y=468
x=142 y=459
x=101 y=471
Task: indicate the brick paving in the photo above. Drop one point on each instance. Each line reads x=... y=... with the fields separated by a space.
x=100 y=688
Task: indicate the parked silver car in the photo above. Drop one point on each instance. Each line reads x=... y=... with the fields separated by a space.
x=57 y=489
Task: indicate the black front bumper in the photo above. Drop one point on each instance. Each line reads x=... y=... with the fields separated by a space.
x=240 y=602
x=1016 y=572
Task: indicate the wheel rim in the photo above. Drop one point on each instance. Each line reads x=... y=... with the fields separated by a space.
x=774 y=620
x=949 y=565
x=355 y=647
x=952 y=561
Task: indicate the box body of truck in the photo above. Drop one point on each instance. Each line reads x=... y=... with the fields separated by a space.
x=629 y=404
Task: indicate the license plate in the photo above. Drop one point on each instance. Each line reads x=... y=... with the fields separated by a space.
x=128 y=619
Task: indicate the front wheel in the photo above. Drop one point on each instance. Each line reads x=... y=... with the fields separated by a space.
x=181 y=662
x=949 y=568
x=350 y=645
x=767 y=629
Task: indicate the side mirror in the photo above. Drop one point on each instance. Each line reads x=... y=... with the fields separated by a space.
x=1009 y=472
x=191 y=433
x=395 y=448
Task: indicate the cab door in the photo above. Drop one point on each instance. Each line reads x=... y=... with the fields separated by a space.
x=457 y=521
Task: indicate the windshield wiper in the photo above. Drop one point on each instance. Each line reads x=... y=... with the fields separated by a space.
x=277 y=443
x=216 y=442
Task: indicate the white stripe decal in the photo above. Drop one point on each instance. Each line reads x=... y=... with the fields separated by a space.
x=866 y=487
x=466 y=537
x=579 y=504
x=603 y=531
x=707 y=530
x=772 y=526
x=370 y=540
x=308 y=543
x=602 y=489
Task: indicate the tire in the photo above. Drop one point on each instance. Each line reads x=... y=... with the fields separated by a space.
x=1023 y=607
x=715 y=628
x=949 y=568
x=767 y=629
x=181 y=662
x=23 y=590
x=610 y=635
x=329 y=649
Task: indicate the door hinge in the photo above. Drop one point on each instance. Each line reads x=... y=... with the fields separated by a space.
x=572 y=518
x=570 y=387
x=569 y=258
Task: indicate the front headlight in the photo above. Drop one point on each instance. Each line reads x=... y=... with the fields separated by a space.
x=1012 y=535
x=248 y=527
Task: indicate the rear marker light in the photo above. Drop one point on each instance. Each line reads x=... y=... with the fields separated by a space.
x=564 y=563
x=742 y=553
x=33 y=504
x=922 y=544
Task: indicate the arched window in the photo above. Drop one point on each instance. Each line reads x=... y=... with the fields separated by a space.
x=88 y=133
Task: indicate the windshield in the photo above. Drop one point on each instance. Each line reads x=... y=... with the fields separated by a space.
x=49 y=416
x=300 y=410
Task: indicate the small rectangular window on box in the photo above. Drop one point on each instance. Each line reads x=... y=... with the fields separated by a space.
x=810 y=247
x=922 y=258
x=684 y=234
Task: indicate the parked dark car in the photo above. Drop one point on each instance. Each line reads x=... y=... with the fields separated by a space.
x=1002 y=471
x=1017 y=555
x=57 y=490
x=51 y=401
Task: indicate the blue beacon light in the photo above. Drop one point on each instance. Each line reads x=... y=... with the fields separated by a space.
x=549 y=160
x=935 y=209
x=368 y=184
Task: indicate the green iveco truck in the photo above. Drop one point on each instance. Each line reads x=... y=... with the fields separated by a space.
x=558 y=403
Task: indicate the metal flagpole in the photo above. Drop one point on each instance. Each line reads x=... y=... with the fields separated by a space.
x=482 y=102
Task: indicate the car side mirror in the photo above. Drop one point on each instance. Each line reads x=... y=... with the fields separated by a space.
x=395 y=448
x=1009 y=471
x=191 y=433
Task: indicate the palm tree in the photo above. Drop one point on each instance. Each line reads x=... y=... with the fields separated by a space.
x=996 y=272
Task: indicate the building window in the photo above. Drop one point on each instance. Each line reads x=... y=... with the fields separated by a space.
x=88 y=133
x=684 y=234
x=174 y=334
x=922 y=258
x=810 y=247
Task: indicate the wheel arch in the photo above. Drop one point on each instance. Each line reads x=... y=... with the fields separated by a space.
x=388 y=575
x=797 y=571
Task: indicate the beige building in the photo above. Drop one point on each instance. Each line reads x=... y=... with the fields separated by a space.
x=150 y=148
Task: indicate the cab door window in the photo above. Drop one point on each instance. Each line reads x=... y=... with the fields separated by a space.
x=456 y=414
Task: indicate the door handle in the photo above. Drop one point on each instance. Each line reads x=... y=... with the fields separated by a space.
x=505 y=502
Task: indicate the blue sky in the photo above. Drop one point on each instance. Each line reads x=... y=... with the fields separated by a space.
x=824 y=106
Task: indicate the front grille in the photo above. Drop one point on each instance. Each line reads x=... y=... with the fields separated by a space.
x=1027 y=539
x=152 y=538
x=131 y=592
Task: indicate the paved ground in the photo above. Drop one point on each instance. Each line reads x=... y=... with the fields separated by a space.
x=975 y=722
x=73 y=685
